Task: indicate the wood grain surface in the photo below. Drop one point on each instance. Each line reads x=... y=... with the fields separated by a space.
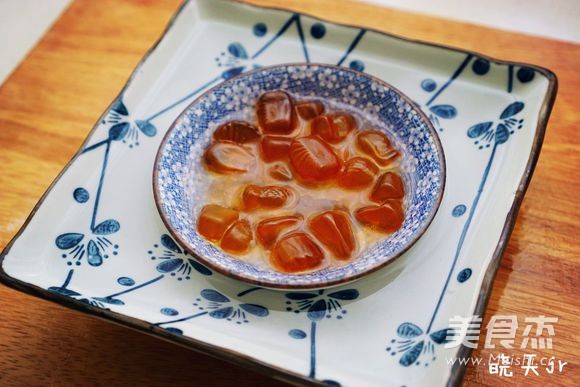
x=52 y=100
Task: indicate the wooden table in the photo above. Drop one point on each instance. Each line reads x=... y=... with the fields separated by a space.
x=51 y=101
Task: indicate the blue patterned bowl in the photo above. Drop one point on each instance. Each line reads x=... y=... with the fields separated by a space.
x=179 y=178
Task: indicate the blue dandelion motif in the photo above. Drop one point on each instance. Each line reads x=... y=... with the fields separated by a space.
x=175 y=261
x=235 y=59
x=413 y=344
x=94 y=248
x=484 y=134
x=125 y=129
x=320 y=305
x=218 y=306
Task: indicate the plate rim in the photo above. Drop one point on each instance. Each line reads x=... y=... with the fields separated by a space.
x=293 y=286
x=457 y=371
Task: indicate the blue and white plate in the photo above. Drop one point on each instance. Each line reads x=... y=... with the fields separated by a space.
x=96 y=243
x=180 y=180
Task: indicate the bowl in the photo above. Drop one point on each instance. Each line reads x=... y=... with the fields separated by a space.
x=179 y=175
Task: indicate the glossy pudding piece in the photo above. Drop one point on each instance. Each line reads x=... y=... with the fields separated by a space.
x=313 y=160
x=306 y=185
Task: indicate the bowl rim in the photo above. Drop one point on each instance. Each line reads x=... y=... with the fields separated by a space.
x=301 y=286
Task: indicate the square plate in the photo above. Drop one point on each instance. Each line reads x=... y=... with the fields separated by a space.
x=95 y=241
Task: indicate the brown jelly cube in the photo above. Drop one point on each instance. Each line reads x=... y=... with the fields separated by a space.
x=237 y=238
x=214 y=220
x=268 y=230
x=275 y=112
x=274 y=148
x=269 y=196
x=388 y=186
x=333 y=229
x=307 y=110
x=357 y=173
x=386 y=218
x=333 y=128
x=313 y=160
x=378 y=146
x=226 y=157
x=240 y=132
x=295 y=253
